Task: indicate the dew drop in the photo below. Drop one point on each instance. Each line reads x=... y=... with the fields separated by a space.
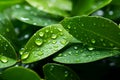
x=40 y=53
x=21 y=51
x=51 y=68
x=110 y=12
x=59 y=29
x=90 y=48
x=3 y=59
x=75 y=47
x=68 y=26
x=54 y=36
x=82 y=24
x=63 y=42
x=46 y=30
x=111 y=44
x=66 y=73
x=38 y=42
x=25 y=55
x=101 y=39
x=59 y=55
x=24 y=19
x=93 y=41
x=41 y=34
x=54 y=41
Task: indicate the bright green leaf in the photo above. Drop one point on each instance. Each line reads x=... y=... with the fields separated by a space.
x=19 y=73
x=79 y=54
x=7 y=3
x=45 y=42
x=94 y=31
x=30 y=15
x=7 y=53
x=58 y=7
x=59 y=72
x=86 y=7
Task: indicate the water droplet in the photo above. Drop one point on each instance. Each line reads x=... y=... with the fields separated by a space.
x=40 y=53
x=90 y=48
x=81 y=50
x=111 y=44
x=110 y=12
x=51 y=68
x=40 y=8
x=82 y=24
x=7 y=30
x=66 y=74
x=46 y=30
x=41 y=34
x=100 y=13
x=54 y=41
x=69 y=52
x=75 y=47
x=34 y=23
x=59 y=29
x=27 y=7
x=59 y=55
x=68 y=26
x=25 y=55
x=101 y=39
x=54 y=36
x=24 y=19
x=3 y=59
x=63 y=41
x=21 y=51
x=93 y=41
x=17 y=6
x=39 y=42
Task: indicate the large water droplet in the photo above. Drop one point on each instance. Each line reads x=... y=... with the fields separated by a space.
x=54 y=36
x=41 y=34
x=39 y=42
x=25 y=55
x=3 y=59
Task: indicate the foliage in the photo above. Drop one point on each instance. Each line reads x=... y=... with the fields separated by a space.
x=57 y=35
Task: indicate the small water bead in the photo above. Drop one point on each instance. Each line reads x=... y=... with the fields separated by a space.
x=3 y=59
x=7 y=30
x=93 y=41
x=46 y=30
x=111 y=44
x=27 y=7
x=52 y=67
x=59 y=29
x=54 y=36
x=63 y=41
x=101 y=40
x=40 y=53
x=68 y=27
x=25 y=55
x=24 y=19
x=75 y=47
x=54 y=41
x=34 y=23
x=66 y=73
x=41 y=34
x=59 y=55
x=82 y=25
x=21 y=51
x=90 y=48
x=110 y=12
x=38 y=42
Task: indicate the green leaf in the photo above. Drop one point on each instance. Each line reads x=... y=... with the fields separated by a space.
x=115 y=2
x=58 y=7
x=94 y=31
x=86 y=7
x=19 y=73
x=7 y=3
x=54 y=71
x=79 y=54
x=45 y=42
x=30 y=15
x=7 y=53
x=7 y=29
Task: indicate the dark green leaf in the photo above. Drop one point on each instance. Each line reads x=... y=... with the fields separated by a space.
x=78 y=54
x=45 y=42
x=19 y=73
x=58 y=7
x=7 y=53
x=59 y=72
x=30 y=15
x=7 y=29
x=94 y=31
x=86 y=7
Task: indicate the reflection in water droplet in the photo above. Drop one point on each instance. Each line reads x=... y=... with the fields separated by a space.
x=39 y=42
x=3 y=59
x=54 y=36
x=41 y=34
x=25 y=55
x=63 y=42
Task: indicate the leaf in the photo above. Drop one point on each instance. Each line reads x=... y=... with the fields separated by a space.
x=80 y=54
x=7 y=3
x=30 y=15
x=94 y=31
x=54 y=71
x=115 y=2
x=45 y=42
x=57 y=7
x=20 y=73
x=7 y=29
x=7 y=53
x=85 y=7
